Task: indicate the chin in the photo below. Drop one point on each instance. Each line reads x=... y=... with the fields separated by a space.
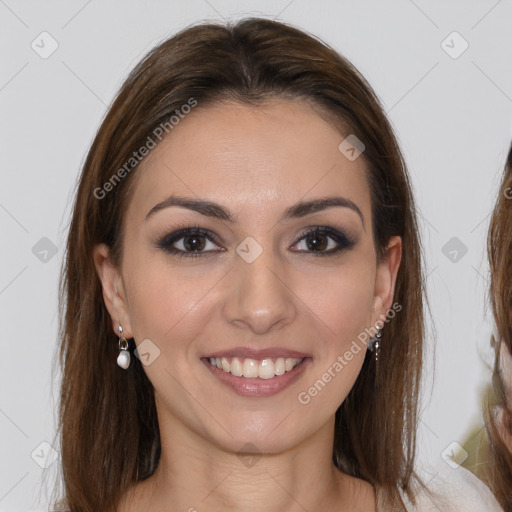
x=263 y=434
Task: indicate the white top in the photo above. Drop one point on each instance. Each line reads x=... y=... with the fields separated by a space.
x=505 y=368
x=457 y=490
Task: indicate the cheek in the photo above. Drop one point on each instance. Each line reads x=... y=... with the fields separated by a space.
x=163 y=301
x=342 y=302
x=342 y=306
x=345 y=304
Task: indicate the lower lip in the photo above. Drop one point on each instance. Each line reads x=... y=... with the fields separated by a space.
x=259 y=387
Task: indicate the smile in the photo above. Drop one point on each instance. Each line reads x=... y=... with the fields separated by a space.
x=257 y=377
x=253 y=368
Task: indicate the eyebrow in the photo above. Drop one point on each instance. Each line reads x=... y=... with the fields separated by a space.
x=298 y=210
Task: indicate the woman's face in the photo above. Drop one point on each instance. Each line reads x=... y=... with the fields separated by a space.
x=252 y=284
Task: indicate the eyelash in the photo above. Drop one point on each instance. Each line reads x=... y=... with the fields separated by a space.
x=344 y=241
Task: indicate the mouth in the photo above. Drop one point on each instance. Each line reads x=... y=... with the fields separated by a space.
x=257 y=376
x=248 y=368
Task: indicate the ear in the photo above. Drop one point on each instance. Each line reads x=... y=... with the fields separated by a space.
x=113 y=290
x=385 y=278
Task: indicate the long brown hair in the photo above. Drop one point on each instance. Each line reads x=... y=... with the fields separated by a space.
x=499 y=248
x=107 y=416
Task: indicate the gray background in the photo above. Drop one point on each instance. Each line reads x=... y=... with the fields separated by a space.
x=452 y=116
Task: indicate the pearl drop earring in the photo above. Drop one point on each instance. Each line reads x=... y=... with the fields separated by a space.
x=123 y=359
x=374 y=344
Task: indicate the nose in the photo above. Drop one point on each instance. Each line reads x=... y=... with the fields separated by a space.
x=260 y=295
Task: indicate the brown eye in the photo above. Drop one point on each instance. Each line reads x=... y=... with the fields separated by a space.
x=323 y=241
x=194 y=242
x=317 y=242
x=189 y=242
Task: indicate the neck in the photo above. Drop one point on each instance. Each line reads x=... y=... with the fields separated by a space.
x=195 y=474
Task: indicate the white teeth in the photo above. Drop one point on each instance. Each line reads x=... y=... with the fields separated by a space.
x=236 y=367
x=280 y=366
x=252 y=368
x=288 y=364
x=266 y=369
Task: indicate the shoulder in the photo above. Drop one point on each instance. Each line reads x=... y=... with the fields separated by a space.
x=452 y=490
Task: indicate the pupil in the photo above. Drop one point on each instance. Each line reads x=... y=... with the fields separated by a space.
x=195 y=244
x=315 y=244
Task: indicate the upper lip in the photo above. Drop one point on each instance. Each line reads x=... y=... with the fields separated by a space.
x=253 y=353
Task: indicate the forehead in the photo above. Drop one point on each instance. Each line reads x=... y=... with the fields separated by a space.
x=251 y=157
